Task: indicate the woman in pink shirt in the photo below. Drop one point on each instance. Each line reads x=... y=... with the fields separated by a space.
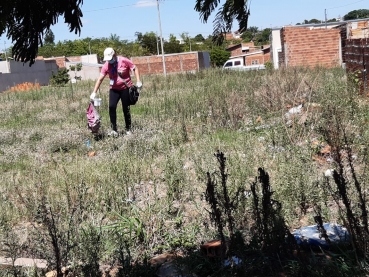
x=118 y=69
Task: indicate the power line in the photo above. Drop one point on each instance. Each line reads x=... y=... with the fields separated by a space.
x=141 y=4
x=345 y=5
x=113 y=7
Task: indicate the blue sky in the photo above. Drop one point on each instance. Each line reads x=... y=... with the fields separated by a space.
x=125 y=18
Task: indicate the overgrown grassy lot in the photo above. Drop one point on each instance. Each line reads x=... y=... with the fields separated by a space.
x=214 y=154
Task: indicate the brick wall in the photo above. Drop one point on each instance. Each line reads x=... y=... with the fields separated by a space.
x=236 y=50
x=356 y=55
x=261 y=58
x=358 y=29
x=305 y=47
x=252 y=54
x=181 y=62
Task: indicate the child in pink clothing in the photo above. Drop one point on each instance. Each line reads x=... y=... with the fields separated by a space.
x=118 y=69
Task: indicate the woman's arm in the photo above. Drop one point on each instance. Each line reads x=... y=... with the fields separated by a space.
x=137 y=74
x=98 y=82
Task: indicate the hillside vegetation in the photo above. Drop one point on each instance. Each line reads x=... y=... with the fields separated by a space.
x=213 y=155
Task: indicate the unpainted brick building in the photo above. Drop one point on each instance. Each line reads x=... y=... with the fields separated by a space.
x=310 y=47
x=174 y=63
x=252 y=54
x=315 y=44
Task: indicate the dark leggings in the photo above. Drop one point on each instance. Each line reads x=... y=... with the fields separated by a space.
x=114 y=97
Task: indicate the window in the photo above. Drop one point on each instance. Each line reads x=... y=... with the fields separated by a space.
x=255 y=62
x=228 y=64
x=237 y=63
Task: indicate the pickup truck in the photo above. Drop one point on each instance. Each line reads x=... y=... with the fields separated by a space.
x=239 y=64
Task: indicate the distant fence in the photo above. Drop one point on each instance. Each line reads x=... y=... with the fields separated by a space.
x=356 y=57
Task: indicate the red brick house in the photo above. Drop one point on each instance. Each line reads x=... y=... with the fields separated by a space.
x=253 y=54
x=232 y=36
x=314 y=44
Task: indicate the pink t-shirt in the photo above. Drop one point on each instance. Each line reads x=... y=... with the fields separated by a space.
x=124 y=66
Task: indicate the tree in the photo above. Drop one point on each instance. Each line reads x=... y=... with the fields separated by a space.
x=356 y=14
x=149 y=41
x=49 y=37
x=315 y=21
x=76 y=68
x=172 y=46
x=230 y=11
x=262 y=37
x=247 y=36
x=26 y=22
x=199 y=38
x=218 y=56
x=187 y=41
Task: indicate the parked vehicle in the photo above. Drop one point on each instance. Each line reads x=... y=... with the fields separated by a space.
x=239 y=64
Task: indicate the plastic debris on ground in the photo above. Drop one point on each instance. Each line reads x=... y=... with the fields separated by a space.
x=310 y=236
x=235 y=261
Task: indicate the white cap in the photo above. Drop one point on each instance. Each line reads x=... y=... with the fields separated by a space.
x=108 y=54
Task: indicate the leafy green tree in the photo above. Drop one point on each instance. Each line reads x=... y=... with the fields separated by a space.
x=356 y=14
x=172 y=46
x=114 y=38
x=47 y=51
x=133 y=49
x=25 y=22
x=148 y=41
x=314 y=21
x=232 y=10
x=247 y=36
x=263 y=37
x=49 y=38
x=218 y=56
x=199 y=38
x=75 y=69
x=254 y=30
x=187 y=46
x=59 y=79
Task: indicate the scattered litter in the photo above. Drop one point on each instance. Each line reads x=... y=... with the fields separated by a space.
x=24 y=262
x=328 y=172
x=294 y=110
x=235 y=261
x=88 y=143
x=265 y=126
x=310 y=236
x=291 y=112
x=91 y=153
x=275 y=148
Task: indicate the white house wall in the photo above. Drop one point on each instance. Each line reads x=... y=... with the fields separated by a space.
x=276 y=46
x=39 y=72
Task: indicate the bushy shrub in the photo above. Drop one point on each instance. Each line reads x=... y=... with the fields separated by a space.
x=269 y=65
x=59 y=79
x=219 y=56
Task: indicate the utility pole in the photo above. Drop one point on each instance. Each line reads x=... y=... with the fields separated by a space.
x=6 y=58
x=89 y=45
x=325 y=14
x=157 y=44
x=161 y=40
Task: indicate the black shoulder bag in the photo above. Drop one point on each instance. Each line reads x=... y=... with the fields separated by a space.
x=134 y=94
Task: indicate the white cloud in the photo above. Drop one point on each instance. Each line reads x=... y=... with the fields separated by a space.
x=143 y=4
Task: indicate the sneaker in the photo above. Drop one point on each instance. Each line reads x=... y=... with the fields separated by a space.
x=113 y=133
x=128 y=133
